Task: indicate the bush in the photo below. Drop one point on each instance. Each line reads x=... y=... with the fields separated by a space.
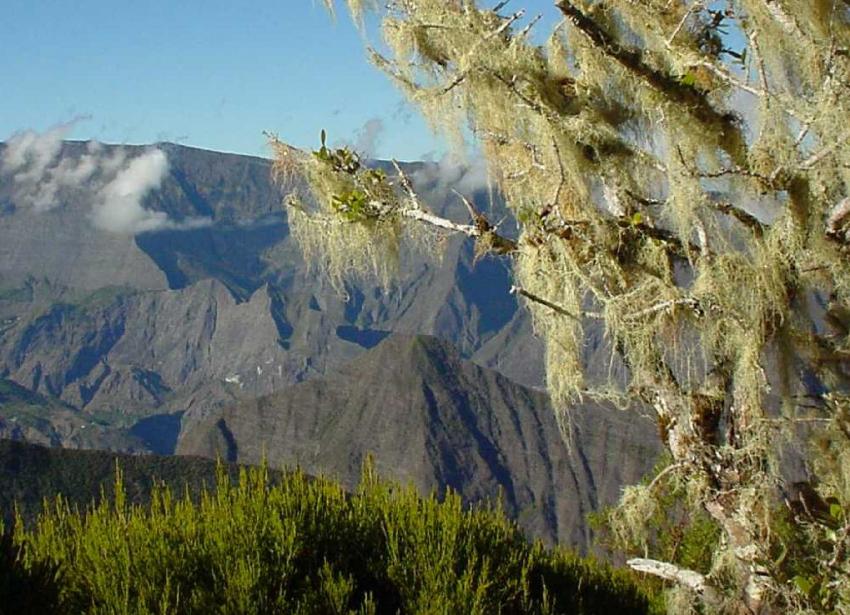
x=300 y=545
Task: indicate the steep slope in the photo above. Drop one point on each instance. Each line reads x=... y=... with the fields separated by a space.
x=29 y=474
x=436 y=420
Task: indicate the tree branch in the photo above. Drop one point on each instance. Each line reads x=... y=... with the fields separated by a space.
x=670 y=572
x=633 y=61
x=480 y=228
x=748 y=220
x=837 y=216
x=687 y=302
x=516 y=290
x=697 y=6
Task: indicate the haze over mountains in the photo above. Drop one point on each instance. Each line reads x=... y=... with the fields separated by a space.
x=159 y=304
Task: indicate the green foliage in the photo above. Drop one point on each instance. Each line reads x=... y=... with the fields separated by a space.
x=668 y=531
x=31 y=474
x=299 y=546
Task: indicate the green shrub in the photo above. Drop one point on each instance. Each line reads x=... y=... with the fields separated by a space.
x=301 y=545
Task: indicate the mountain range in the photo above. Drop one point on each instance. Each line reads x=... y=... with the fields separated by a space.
x=204 y=331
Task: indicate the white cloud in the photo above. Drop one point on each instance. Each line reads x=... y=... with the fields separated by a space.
x=30 y=159
x=452 y=172
x=117 y=181
x=29 y=153
x=365 y=140
x=119 y=206
x=369 y=137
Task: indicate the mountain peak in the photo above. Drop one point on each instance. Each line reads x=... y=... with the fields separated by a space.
x=401 y=352
x=432 y=418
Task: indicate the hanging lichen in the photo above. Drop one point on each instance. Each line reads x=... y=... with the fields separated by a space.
x=679 y=172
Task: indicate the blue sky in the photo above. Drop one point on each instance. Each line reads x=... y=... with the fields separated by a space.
x=211 y=74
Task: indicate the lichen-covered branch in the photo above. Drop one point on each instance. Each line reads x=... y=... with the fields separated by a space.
x=670 y=572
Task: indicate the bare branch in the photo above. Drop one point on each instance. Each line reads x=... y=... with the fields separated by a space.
x=748 y=220
x=671 y=468
x=473 y=213
x=754 y=45
x=687 y=302
x=408 y=187
x=815 y=158
x=415 y=213
x=837 y=217
x=480 y=227
x=670 y=572
x=530 y=25
x=516 y=290
x=735 y=82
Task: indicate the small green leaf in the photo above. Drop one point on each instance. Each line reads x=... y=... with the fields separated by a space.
x=637 y=218
x=804 y=584
x=836 y=512
x=689 y=79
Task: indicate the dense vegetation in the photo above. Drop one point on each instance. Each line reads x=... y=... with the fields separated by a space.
x=295 y=546
x=30 y=475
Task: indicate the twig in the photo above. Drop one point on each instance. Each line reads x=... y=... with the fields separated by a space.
x=837 y=216
x=666 y=305
x=754 y=44
x=408 y=187
x=504 y=26
x=734 y=81
x=698 y=6
x=804 y=130
x=516 y=290
x=562 y=179
x=748 y=220
x=530 y=25
x=473 y=213
x=815 y=158
x=662 y=474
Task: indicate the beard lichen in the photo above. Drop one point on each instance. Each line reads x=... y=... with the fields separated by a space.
x=350 y=219
x=674 y=167
x=343 y=251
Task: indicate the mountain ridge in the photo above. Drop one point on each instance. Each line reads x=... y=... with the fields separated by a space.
x=430 y=417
